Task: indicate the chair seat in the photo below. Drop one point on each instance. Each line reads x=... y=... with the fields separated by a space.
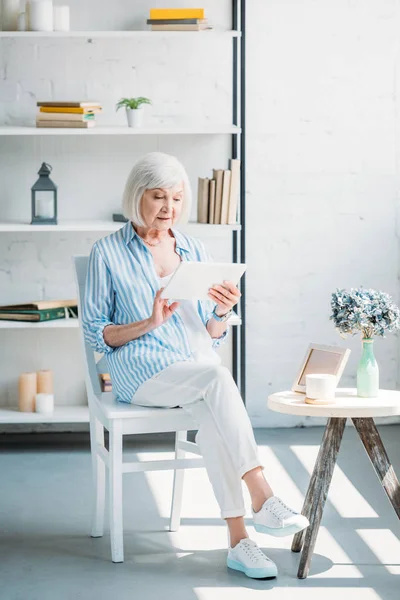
x=115 y=409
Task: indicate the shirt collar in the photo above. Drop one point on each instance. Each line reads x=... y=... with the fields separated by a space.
x=129 y=233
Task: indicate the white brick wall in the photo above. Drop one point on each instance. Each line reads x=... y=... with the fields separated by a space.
x=322 y=169
x=322 y=180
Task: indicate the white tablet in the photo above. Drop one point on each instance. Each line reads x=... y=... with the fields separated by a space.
x=193 y=279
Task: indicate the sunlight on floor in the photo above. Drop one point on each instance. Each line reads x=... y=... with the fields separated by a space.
x=385 y=545
x=344 y=496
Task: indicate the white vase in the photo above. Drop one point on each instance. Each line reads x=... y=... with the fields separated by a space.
x=9 y=12
x=40 y=15
x=134 y=116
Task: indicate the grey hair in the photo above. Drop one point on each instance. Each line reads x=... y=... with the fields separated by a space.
x=154 y=170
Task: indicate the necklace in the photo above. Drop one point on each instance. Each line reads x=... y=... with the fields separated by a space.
x=149 y=244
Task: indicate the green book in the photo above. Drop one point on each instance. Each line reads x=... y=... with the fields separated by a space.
x=33 y=315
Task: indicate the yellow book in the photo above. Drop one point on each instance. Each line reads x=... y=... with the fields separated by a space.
x=68 y=109
x=177 y=13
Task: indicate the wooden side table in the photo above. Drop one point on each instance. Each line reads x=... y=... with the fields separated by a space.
x=362 y=412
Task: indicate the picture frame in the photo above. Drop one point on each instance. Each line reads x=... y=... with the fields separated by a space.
x=321 y=359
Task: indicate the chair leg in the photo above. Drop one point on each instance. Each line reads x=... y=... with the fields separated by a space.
x=115 y=492
x=98 y=477
x=177 y=490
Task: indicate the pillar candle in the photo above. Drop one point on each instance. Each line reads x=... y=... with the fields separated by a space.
x=41 y=15
x=26 y=392
x=45 y=382
x=44 y=403
x=320 y=388
x=9 y=14
x=61 y=18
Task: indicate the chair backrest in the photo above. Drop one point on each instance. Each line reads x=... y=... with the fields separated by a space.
x=92 y=381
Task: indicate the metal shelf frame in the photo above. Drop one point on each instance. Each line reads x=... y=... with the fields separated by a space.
x=239 y=151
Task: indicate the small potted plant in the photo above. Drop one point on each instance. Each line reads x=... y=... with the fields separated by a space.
x=134 y=109
x=371 y=313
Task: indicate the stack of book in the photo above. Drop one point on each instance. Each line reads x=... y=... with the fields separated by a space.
x=177 y=19
x=217 y=198
x=43 y=310
x=67 y=114
x=105 y=382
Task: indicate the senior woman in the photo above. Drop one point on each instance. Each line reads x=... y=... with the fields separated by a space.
x=162 y=354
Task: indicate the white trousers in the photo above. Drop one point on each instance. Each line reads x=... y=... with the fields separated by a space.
x=225 y=434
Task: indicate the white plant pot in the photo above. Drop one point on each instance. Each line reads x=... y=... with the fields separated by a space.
x=134 y=116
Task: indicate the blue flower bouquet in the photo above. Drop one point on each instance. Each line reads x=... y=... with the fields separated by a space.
x=372 y=313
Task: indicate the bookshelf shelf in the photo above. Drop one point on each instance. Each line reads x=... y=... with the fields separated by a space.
x=123 y=130
x=56 y=324
x=228 y=33
x=107 y=226
x=72 y=324
x=61 y=414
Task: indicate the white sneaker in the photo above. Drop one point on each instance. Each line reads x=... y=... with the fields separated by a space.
x=247 y=557
x=276 y=518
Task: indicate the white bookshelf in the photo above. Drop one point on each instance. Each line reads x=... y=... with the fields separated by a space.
x=121 y=130
x=80 y=414
x=213 y=33
x=106 y=226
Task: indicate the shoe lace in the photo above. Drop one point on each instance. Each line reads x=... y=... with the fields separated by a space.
x=281 y=509
x=253 y=551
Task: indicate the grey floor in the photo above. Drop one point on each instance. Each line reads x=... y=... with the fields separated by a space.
x=46 y=552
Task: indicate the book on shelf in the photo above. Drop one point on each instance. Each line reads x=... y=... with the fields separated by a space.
x=105 y=382
x=34 y=315
x=218 y=198
x=211 y=200
x=176 y=13
x=40 y=305
x=70 y=104
x=59 y=116
x=234 y=191
x=226 y=185
x=202 y=199
x=66 y=124
x=218 y=175
x=180 y=27
x=70 y=110
x=176 y=21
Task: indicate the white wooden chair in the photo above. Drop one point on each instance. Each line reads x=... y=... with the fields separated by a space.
x=120 y=419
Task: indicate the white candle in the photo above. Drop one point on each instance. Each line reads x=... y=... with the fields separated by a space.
x=44 y=205
x=44 y=403
x=61 y=18
x=41 y=15
x=321 y=386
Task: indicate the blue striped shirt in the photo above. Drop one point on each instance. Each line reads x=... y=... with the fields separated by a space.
x=120 y=289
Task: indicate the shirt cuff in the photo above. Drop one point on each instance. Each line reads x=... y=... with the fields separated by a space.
x=222 y=338
x=101 y=346
x=216 y=342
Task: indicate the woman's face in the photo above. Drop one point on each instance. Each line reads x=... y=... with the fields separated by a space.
x=161 y=207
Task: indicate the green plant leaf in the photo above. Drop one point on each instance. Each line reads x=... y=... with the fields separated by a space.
x=133 y=103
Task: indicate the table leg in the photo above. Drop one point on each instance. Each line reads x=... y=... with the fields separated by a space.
x=322 y=476
x=375 y=449
x=298 y=539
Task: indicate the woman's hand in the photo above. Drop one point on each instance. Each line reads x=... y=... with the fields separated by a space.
x=225 y=296
x=161 y=311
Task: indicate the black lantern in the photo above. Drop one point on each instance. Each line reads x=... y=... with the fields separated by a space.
x=44 y=198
